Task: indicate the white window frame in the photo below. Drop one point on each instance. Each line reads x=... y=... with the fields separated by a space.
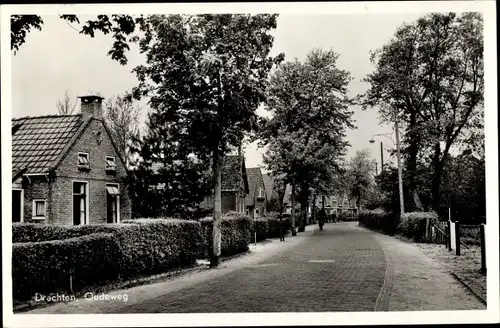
x=22 y=203
x=87 y=207
x=260 y=192
x=113 y=168
x=117 y=185
x=33 y=211
x=78 y=159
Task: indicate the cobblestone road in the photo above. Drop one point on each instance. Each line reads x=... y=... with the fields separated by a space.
x=342 y=268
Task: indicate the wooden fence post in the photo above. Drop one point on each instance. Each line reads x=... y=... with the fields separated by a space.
x=483 y=249
x=457 y=236
x=448 y=240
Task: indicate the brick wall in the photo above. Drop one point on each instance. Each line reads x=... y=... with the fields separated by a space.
x=97 y=178
x=37 y=187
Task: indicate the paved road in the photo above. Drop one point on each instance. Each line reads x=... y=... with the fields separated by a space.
x=342 y=268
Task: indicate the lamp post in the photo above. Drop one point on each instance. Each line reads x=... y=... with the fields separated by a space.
x=398 y=156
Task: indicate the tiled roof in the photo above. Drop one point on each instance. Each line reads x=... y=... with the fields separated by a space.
x=269 y=184
x=253 y=175
x=38 y=141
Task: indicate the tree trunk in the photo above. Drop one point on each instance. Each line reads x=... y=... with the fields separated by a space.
x=294 y=231
x=412 y=163
x=323 y=202
x=216 y=233
x=314 y=208
x=436 y=178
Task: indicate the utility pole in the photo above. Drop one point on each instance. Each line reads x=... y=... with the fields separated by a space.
x=381 y=157
x=400 y=173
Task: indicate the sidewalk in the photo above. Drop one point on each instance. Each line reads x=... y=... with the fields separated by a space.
x=141 y=293
x=414 y=282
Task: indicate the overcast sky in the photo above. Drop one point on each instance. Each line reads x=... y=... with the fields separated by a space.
x=58 y=58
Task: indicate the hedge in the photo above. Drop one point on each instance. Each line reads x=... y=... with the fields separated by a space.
x=379 y=220
x=45 y=267
x=275 y=225
x=413 y=224
x=146 y=246
x=235 y=234
x=261 y=226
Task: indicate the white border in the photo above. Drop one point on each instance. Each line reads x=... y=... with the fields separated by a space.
x=127 y=320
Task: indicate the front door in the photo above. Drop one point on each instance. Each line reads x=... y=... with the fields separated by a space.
x=17 y=203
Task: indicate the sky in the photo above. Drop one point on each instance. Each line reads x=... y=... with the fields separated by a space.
x=58 y=59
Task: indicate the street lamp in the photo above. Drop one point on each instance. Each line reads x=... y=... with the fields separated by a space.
x=398 y=155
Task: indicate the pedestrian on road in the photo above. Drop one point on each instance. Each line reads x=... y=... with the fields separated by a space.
x=282 y=229
x=321 y=218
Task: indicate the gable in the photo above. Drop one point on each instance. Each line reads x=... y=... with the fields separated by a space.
x=97 y=142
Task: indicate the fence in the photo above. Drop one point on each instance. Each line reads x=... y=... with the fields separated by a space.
x=464 y=235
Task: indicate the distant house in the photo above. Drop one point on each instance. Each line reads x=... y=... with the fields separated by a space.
x=67 y=170
x=256 y=199
x=337 y=203
x=234 y=185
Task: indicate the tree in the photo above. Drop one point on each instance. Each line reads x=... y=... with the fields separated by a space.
x=431 y=75
x=359 y=175
x=122 y=118
x=206 y=75
x=120 y=26
x=66 y=106
x=305 y=136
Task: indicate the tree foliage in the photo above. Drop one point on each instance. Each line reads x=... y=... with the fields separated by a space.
x=431 y=76
x=121 y=116
x=305 y=137
x=358 y=179
x=66 y=106
x=120 y=26
x=205 y=76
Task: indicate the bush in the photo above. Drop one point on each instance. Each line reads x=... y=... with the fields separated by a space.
x=235 y=234
x=275 y=225
x=261 y=226
x=45 y=267
x=379 y=220
x=413 y=224
x=147 y=245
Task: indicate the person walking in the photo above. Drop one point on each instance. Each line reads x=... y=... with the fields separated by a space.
x=321 y=218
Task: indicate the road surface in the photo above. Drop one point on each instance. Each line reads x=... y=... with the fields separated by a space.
x=342 y=268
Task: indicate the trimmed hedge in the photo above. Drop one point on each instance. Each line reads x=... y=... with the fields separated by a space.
x=275 y=225
x=413 y=224
x=145 y=246
x=379 y=220
x=45 y=267
x=261 y=226
x=235 y=234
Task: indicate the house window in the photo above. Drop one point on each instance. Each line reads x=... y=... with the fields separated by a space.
x=110 y=164
x=80 y=203
x=83 y=161
x=113 y=203
x=39 y=209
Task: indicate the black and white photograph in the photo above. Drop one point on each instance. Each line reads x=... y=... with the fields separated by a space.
x=239 y=163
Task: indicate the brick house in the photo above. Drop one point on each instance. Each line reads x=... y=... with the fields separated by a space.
x=234 y=185
x=256 y=199
x=67 y=170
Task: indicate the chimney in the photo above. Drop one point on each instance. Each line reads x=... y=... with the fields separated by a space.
x=91 y=106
